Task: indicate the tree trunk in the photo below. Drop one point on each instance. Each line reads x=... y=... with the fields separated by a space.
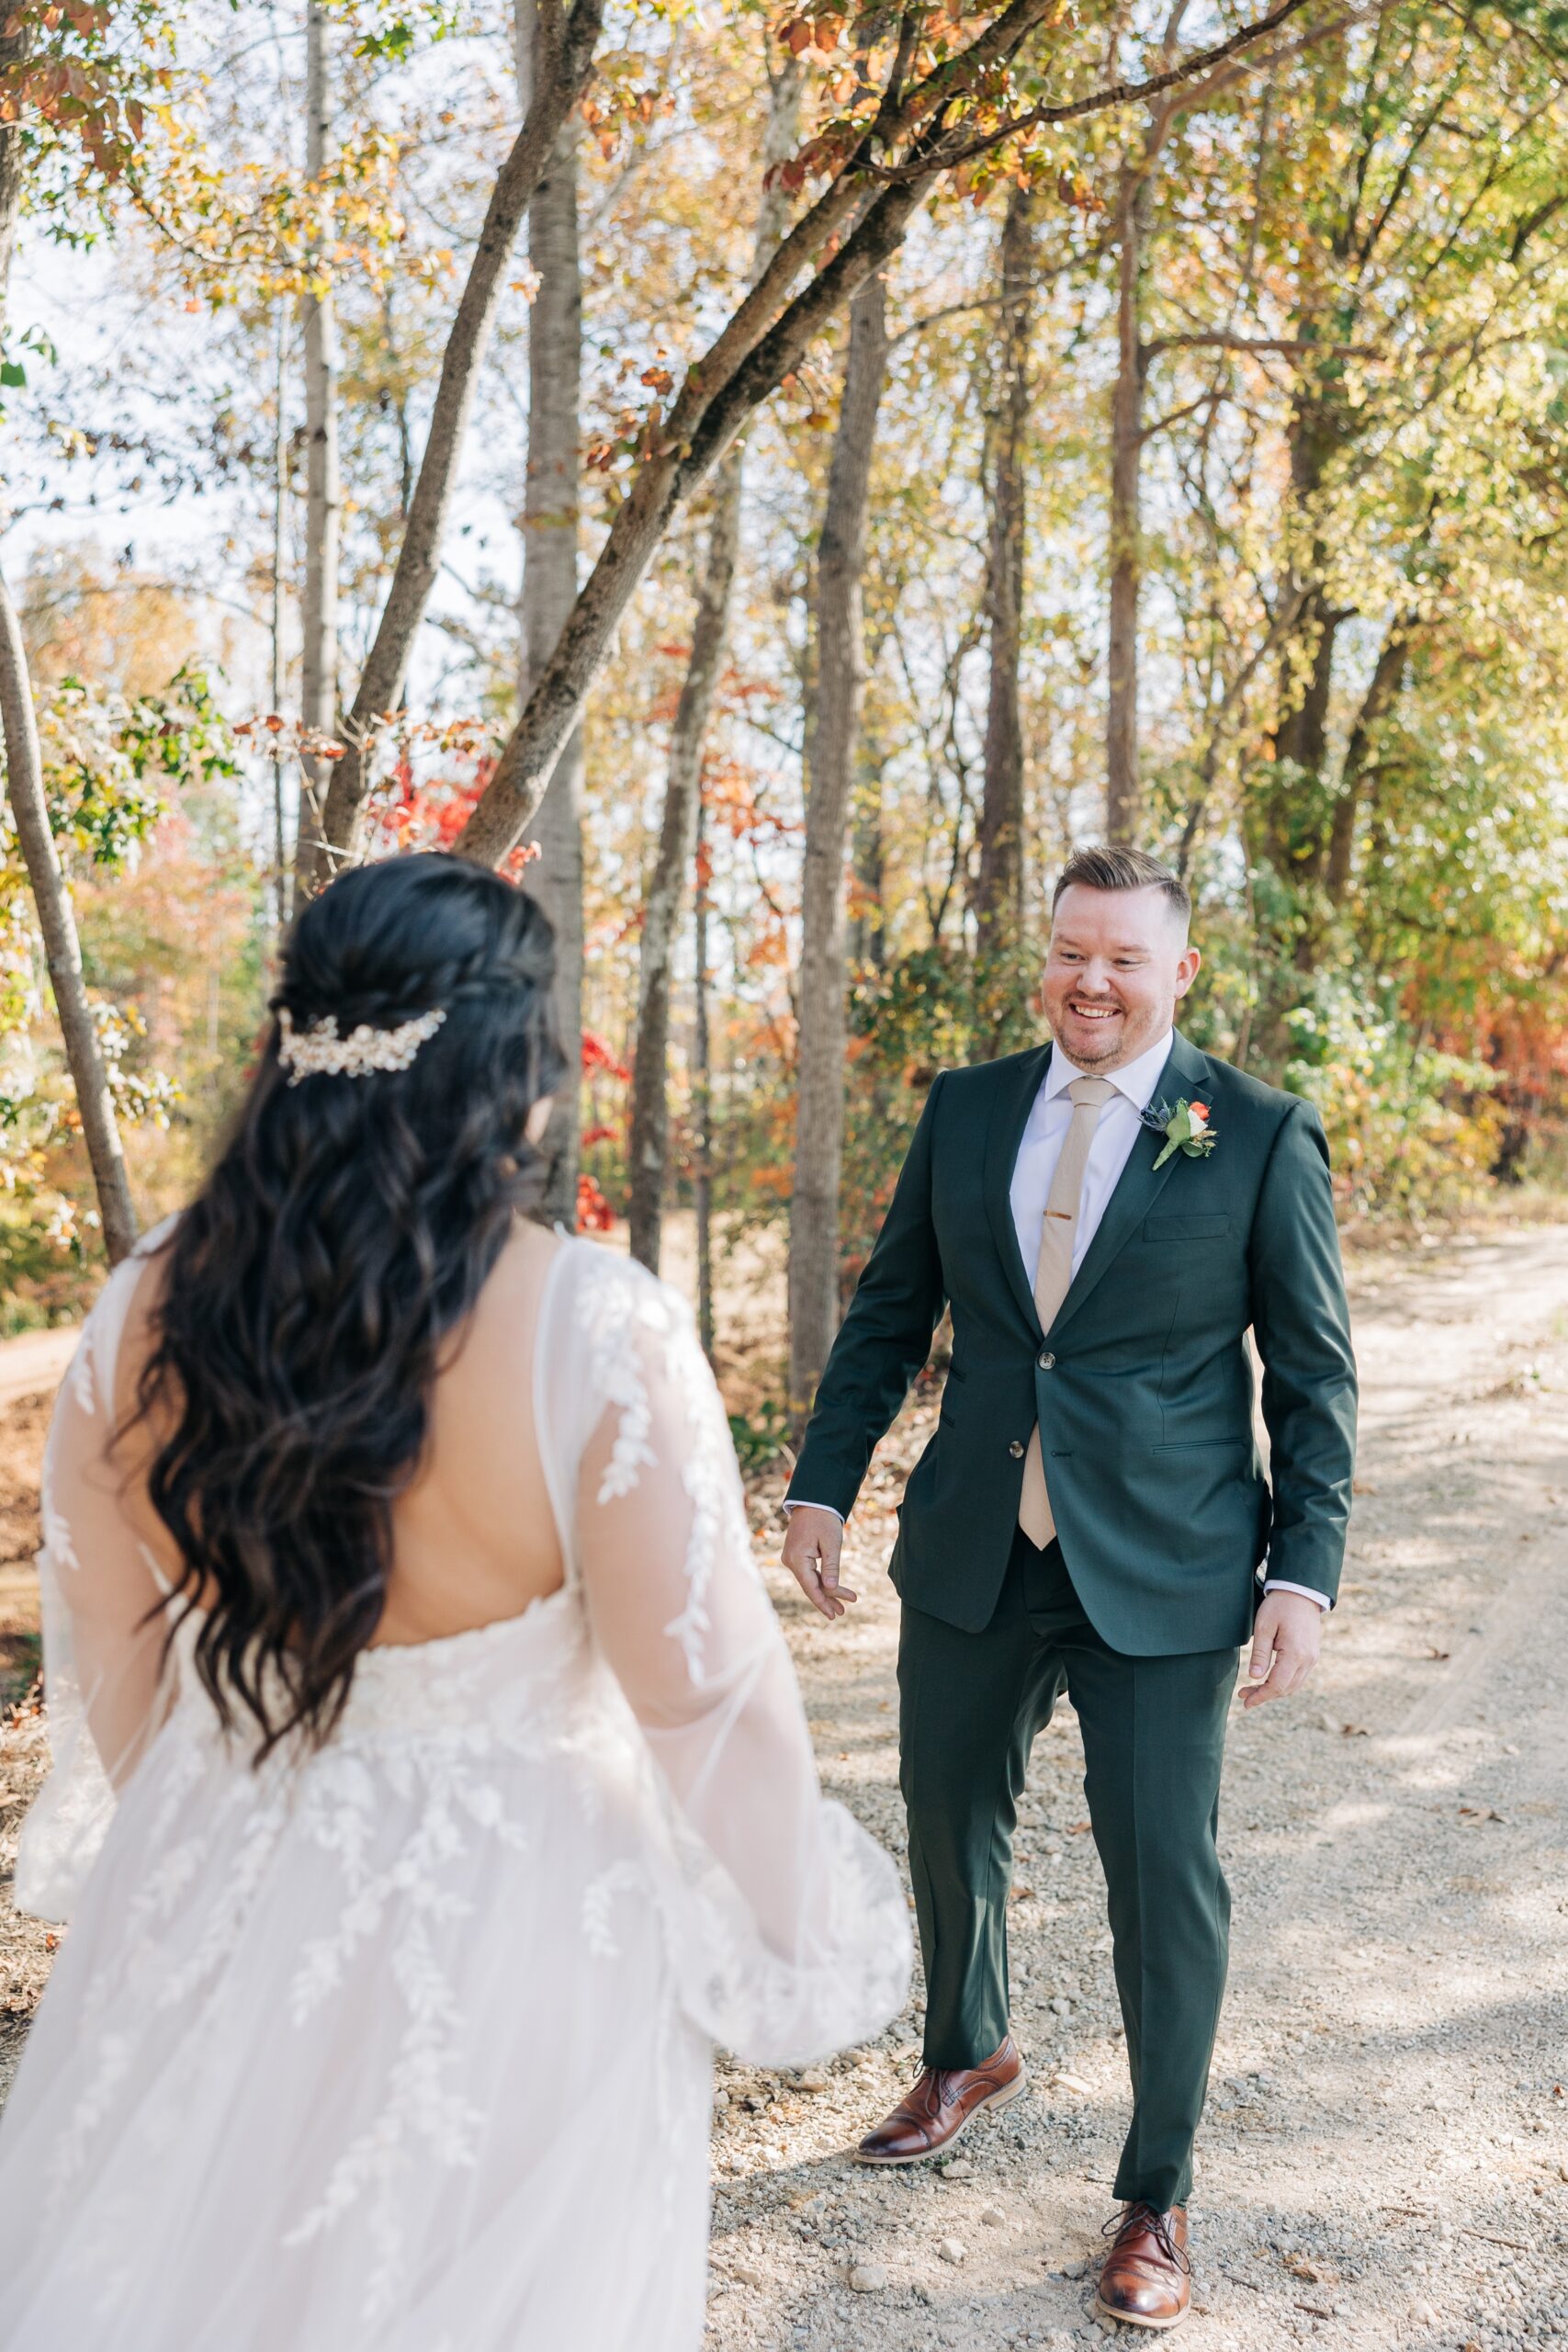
x=557 y=84
x=1298 y=820
x=14 y=48
x=550 y=512
x=649 y=1144
x=999 y=904
x=831 y=746
x=1123 y=799
x=868 y=927
x=1302 y=738
x=1359 y=756
x=648 y=1148
x=279 y=545
x=324 y=487
x=701 y=1110
x=62 y=948
x=29 y=811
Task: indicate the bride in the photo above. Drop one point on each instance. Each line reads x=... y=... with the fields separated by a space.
x=431 y=1788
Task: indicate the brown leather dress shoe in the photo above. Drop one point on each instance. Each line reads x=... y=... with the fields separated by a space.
x=944 y=2101
x=1147 y=2280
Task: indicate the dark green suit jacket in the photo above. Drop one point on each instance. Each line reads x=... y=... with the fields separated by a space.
x=1142 y=1386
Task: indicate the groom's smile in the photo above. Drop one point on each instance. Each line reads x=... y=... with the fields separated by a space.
x=1118 y=963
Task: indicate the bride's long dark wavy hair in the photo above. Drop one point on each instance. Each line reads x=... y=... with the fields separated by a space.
x=345 y=1233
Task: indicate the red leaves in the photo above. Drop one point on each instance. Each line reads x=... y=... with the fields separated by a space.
x=594 y=1214
x=596 y=1055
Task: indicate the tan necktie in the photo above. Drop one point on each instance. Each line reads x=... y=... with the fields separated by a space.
x=1089 y=1097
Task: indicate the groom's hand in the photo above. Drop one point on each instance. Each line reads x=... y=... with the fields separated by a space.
x=1287 y=1635
x=811 y=1547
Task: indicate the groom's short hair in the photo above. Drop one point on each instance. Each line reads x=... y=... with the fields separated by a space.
x=1110 y=868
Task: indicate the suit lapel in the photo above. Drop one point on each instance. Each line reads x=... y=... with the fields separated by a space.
x=1138 y=1187
x=1010 y=1116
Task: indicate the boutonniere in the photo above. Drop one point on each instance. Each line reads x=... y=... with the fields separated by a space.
x=1185 y=1129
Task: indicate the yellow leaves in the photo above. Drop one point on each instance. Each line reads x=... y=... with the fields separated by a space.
x=622 y=101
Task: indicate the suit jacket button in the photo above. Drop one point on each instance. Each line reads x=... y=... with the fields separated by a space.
x=1047 y=1362
x=1016 y=1450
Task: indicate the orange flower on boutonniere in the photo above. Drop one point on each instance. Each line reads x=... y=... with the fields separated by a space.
x=1186 y=1129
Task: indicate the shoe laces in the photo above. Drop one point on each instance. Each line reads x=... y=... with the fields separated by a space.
x=1143 y=2217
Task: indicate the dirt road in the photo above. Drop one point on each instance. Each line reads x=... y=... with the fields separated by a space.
x=1385 y=2160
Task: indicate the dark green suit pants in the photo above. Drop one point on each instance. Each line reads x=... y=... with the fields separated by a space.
x=1154 y=1730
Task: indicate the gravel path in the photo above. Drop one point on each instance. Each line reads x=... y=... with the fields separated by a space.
x=1385 y=2162
x=1385 y=2159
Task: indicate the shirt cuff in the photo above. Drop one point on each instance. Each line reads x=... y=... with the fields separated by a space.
x=1278 y=1584
x=802 y=1502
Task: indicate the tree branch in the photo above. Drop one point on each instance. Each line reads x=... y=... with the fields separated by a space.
x=1220 y=339
x=1115 y=94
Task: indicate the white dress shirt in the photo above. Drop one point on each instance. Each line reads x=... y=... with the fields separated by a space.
x=1047 y=1131
x=1044 y=1133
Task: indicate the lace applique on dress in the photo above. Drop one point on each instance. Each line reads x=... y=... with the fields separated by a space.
x=615 y=1375
x=617 y=1293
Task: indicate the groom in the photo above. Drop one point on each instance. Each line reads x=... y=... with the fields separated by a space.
x=1091 y=1512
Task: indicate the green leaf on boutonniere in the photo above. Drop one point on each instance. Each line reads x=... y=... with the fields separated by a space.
x=1186 y=1129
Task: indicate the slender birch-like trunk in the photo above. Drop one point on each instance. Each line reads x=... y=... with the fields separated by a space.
x=14 y=49
x=702 y=1112
x=1122 y=796
x=648 y=1149
x=323 y=486
x=62 y=947
x=29 y=811
x=829 y=765
x=550 y=513
x=279 y=543
x=998 y=901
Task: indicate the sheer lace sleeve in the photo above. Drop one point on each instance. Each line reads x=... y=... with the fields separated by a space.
x=790 y=1924
x=102 y=1658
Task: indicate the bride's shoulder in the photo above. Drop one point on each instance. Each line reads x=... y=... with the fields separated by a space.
x=602 y=1284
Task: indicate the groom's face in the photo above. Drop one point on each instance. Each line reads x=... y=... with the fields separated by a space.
x=1118 y=966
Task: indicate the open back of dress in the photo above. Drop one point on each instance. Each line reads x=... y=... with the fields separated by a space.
x=404 y=2041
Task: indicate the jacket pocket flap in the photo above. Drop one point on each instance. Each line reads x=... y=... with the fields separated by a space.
x=1186 y=1228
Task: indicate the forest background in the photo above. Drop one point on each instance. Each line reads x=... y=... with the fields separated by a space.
x=774 y=480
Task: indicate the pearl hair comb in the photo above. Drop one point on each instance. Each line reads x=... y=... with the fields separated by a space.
x=319 y=1052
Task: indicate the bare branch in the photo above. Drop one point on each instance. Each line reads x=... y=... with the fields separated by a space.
x=1220 y=339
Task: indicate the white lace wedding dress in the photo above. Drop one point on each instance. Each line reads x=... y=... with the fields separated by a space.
x=405 y=2043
